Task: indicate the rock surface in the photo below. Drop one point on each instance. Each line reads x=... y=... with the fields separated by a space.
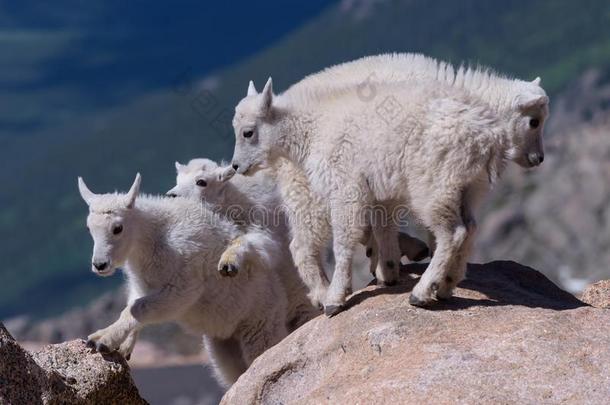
x=508 y=336
x=598 y=294
x=67 y=373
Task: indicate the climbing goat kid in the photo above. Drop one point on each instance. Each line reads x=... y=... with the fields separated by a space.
x=184 y=263
x=249 y=201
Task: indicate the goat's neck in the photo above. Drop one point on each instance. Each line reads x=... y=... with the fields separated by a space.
x=294 y=128
x=147 y=241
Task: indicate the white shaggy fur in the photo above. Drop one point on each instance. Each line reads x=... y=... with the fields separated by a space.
x=249 y=201
x=309 y=219
x=255 y=199
x=435 y=144
x=184 y=263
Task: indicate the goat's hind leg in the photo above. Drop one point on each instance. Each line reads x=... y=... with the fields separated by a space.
x=306 y=248
x=457 y=270
x=226 y=358
x=346 y=220
x=261 y=334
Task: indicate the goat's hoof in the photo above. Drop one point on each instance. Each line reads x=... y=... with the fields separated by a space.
x=418 y=302
x=228 y=270
x=332 y=310
x=128 y=357
x=103 y=349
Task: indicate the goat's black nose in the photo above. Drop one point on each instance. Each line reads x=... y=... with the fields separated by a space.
x=535 y=159
x=235 y=166
x=172 y=195
x=100 y=266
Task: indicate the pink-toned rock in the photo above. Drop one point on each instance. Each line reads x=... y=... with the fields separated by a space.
x=67 y=373
x=597 y=294
x=508 y=336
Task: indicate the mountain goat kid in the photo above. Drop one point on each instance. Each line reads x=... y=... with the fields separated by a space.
x=242 y=198
x=436 y=146
x=185 y=263
x=249 y=201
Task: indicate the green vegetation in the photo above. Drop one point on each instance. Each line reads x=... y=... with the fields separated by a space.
x=45 y=246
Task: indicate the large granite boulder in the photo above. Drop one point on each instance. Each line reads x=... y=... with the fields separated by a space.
x=508 y=336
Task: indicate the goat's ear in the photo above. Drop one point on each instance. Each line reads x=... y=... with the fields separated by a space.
x=267 y=96
x=85 y=193
x=134 y=191
x=251 y=89
x=529 y=101
x=179 y=166
x=537 y=81
x=225 y=173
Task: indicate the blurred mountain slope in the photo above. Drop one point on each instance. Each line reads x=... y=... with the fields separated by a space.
x=45 y=244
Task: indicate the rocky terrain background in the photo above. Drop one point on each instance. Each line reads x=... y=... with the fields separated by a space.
x=556 y=218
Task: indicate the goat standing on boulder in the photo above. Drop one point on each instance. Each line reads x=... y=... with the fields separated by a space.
x=439 y=156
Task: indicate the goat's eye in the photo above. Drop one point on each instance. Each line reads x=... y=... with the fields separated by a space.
x=117 y=229
x=248 y=134
x=534 y=123
x=201 y=183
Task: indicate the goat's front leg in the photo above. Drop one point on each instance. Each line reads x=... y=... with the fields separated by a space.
x=164 y=305
x=110 y=338
x=126 y=348
x=451 y=234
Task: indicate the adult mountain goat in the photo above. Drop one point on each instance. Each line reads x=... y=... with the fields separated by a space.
x=184 y=263
x=435 y=145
